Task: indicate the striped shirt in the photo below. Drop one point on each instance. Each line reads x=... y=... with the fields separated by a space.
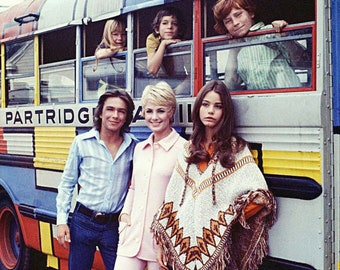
x=104 y=180
x=266 y=66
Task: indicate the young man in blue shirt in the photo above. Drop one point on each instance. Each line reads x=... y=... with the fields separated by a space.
x=100 y=164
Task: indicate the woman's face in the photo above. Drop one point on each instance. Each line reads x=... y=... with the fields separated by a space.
x=168 y=27
x=211 y=110
x=238 y=22
x=158 y=118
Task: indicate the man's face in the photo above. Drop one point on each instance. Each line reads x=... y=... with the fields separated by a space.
x=113 y=115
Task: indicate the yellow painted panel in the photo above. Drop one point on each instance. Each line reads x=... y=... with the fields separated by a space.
x=45 y=237
x=52 y=262
x=306 y=164
x=52 y=145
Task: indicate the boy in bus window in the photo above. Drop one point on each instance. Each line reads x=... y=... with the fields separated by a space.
x=258 y=66
x=100 y=164
x=168 y=28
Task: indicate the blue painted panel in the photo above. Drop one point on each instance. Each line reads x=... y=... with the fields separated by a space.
x=20 y=184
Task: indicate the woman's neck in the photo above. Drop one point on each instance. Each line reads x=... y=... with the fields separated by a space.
x=157 y=136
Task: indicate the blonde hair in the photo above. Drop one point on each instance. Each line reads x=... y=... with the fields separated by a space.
x=112 y=25
x=160 y=94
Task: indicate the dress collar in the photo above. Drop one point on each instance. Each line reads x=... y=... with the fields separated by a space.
x=166 y=143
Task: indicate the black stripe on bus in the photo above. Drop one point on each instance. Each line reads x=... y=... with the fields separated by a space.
x=336 y=130
x=296 y=187
x=17 y=161
x=271 y=263
x=29 y=211
x=29 y=130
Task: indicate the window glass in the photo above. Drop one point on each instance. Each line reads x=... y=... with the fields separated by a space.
x=175 y=70
x=58 y=45
x=105 y=74
x=19 y=58
x=261 y=62
x=57 y=83
x=20 y=91
x=20 y=73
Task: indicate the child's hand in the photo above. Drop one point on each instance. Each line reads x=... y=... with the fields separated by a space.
x=170 y=41
x=279 y=25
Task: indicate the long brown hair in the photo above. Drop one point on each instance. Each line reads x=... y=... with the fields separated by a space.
x=226 y=142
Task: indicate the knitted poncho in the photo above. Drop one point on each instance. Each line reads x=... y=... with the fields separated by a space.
x=201 y=236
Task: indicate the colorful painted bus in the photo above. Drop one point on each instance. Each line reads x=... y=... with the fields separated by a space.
x=49 y=91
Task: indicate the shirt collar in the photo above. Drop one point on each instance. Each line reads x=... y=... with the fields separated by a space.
x=94 y=133
x=257 y=26
x=166 y=143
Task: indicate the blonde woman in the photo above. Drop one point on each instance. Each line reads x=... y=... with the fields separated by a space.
x=153 y=163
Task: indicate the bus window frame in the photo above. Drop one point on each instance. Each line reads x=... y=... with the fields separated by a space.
x=300 y=26
x=29 y=75
x=58 y=64
x=83 y=60
x=189 y=43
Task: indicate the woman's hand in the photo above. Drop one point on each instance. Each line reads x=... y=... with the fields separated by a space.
x=161 y=258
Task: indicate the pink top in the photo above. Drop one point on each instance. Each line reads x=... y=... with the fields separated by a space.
x=153 y=164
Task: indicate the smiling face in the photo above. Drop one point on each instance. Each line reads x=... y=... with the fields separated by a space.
x=158 y=119
x=168 y=27
x=238 y=22
x=211 y=110
x=119 y=38
x=113 y=115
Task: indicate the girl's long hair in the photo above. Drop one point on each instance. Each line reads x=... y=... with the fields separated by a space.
x=225 y=141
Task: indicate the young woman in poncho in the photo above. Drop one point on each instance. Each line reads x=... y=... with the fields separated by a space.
x=217 y=209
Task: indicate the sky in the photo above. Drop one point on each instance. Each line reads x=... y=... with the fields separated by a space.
x=5 y=4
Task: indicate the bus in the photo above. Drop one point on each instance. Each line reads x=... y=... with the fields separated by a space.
x=49 y=91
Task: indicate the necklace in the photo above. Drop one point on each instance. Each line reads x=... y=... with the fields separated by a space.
x=214 y=161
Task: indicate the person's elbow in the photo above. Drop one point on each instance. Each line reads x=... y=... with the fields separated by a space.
x=152 y=69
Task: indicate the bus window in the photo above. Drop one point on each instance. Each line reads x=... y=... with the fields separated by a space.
x=57 y=83
x=58 y=46
x=250 y=70
x=57 y=66
x=266 y=11
x=110 y=73
x=92 y=35
x=176 y=69
x=144 y=18
x=20 y=73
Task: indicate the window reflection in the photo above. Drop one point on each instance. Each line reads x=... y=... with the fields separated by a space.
x=110 y=73
x=20 y=91
x=20 y=73
x=19 y=58
x=175 y=70
x=57 y=84
x=263 y=62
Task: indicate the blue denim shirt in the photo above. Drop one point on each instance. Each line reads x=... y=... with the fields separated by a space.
x=103 y=180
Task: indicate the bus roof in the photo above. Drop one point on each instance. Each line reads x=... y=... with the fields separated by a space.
x=40 y=16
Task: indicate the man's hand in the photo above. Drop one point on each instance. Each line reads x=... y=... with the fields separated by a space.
x=63 y=235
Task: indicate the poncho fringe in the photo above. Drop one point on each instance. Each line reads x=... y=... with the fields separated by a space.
x=243 y=245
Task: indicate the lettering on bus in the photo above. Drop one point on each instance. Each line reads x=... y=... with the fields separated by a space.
x=65 y=116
